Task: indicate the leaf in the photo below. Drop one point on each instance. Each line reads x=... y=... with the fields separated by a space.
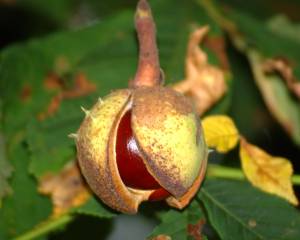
x=24 y=208
x=220 y=132
x=5 y=171
x=258 y=42
x=249 y=114
x=70 y=194
x=162 y=237
x=93 y=207
x=262 y=9
x=29 y=64
x=81 y=87
x=282 y=26
x=270 y=174
x=277 y=97
x=203 y=82
x=258 y=34
x=284 y=68
x=238 y=211
x=267 y=44
x=179 y=225
x=48 y=141
x=67 y=189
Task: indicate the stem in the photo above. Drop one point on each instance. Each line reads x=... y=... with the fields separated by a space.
x=224 y=172
x=219 y=171
x=46 y=227
x=296 y=179
x=148 y=72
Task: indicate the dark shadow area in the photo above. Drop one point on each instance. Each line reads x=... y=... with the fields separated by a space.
x=19 y=24
x=84 y=227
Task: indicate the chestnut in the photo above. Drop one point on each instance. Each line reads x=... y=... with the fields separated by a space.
x=144 y=142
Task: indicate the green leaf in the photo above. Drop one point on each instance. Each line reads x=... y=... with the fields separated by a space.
x=175 y=223
x=239 y=211
x=263 y=9
x=28 y=65
x=24 y=208
x=5 y=171
x=282 y=26
x=258 y=42
x=94 y=207
x=256 y=45
x=48 y=140
x=266 y=41
x=106 y=8
x=277 y=97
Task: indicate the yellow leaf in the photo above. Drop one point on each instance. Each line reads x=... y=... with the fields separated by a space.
x=270 y=174
x=220 y=132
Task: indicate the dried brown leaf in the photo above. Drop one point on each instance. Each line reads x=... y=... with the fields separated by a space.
x=284 y=68
x=217 y=45
x=26 y=93
x=53 y=82
x=52 y=107
x=81 y=87
x=162 y=237
x=195 y=230
x=67 y=189
x=204 y=83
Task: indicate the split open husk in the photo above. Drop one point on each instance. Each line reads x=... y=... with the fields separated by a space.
x=169 y=137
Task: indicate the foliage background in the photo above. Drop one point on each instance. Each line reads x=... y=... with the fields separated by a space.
x=97 y=38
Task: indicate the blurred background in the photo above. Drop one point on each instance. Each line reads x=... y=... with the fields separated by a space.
x=23 y=20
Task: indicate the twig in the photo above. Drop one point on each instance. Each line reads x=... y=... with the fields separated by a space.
x=45 y=227
x=148 y=72
x=219 y=171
